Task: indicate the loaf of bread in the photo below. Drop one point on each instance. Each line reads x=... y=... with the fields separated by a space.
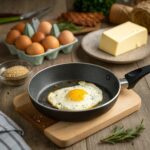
x=141 y=14
x=119 y=13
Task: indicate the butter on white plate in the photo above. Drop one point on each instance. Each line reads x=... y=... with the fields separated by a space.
x=123 y=38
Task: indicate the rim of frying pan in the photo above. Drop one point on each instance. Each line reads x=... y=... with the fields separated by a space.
x=55 y=109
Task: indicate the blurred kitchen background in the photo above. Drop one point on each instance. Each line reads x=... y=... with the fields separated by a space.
x=56 y=7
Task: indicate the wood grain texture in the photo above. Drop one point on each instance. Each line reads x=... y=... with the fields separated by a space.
x=36 y=139
x=61 y=132
x=56 y=7
x=23 y=105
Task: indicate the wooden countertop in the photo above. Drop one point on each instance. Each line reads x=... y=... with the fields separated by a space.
x=38 y=141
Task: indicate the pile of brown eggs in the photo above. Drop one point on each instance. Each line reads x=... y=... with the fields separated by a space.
x=41 y=41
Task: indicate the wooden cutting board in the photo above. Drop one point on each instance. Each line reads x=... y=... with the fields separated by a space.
x=62 y=133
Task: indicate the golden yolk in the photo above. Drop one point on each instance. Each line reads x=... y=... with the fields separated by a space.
x=76 y=94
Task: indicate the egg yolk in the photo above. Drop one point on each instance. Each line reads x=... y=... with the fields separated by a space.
x=76 y=94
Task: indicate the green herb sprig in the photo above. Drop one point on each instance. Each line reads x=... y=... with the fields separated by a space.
x=93 y=5
x=119 y=134
x=68 y=26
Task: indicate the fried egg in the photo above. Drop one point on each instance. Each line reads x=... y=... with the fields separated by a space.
x=79 y=97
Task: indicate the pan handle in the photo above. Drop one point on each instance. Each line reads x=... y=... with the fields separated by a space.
x=134 y=76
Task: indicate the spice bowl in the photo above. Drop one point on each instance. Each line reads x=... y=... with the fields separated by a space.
x=15 y=72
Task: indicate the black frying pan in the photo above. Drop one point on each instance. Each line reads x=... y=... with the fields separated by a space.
x=64 y=75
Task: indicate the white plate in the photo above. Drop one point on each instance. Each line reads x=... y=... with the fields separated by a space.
x=90 y=45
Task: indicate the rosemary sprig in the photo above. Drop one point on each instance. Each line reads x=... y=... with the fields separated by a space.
x=119 y=134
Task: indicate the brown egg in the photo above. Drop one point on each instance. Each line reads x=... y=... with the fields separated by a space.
x=38 y=37
x=45 y=27
x=35 y=49
x=20 y=27
x=12 y=36
x=66 y=37
x=50 y=42
x=23 y=42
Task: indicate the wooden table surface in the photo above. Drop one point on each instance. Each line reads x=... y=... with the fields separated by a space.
x=38 y=141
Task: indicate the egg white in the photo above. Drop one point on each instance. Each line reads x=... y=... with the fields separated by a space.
x=59 y=99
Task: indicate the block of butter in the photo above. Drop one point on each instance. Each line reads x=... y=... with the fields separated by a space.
x=123 y=38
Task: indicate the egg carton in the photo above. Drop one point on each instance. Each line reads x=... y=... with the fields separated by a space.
x=38 y=59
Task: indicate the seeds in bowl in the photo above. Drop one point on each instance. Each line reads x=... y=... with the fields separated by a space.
x=15 y=72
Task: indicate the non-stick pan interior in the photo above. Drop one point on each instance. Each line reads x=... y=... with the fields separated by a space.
x=42 y=97
x=66 y=75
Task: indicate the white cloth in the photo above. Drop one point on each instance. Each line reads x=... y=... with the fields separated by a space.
x=11 y=135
